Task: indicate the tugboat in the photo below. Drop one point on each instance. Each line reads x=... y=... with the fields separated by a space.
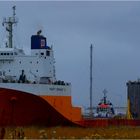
x=105 y=108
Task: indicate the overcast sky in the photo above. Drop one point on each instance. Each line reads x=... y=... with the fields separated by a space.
x=112 y=27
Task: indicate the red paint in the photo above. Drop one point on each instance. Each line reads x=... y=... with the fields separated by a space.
x=109 y=122
x=103 y=106
x=20 y=109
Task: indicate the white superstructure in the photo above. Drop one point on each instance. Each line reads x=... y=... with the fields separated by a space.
x=33 y=73
x=38 y=68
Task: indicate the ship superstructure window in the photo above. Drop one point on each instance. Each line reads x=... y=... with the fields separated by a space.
x=19 y=62
x=6 y=53
x=47 y=53
x=42 y=53
x=37 y=62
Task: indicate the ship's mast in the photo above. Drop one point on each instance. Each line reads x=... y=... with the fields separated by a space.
x=105 y=92
x=8 y=23
x=91 y=107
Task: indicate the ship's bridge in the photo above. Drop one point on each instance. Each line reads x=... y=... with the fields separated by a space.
x=8 y=54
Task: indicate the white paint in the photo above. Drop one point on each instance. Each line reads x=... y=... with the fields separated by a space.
x=39 y=89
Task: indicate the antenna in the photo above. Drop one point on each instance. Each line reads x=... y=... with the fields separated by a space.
x=9 y=22
x=14 y=12
x=105 y=92
x=91 y=107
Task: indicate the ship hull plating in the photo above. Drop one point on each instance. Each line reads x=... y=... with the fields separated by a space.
x=19 y=108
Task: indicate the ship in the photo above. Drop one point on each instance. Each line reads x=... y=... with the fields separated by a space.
x=30 y=94
x=105 y=108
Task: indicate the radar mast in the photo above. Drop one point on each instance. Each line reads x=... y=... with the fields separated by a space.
x=8 y=23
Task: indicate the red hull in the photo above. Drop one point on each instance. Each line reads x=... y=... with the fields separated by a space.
x=20 y=109
x=109 y=122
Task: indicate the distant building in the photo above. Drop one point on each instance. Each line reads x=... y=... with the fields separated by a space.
x=133 y=95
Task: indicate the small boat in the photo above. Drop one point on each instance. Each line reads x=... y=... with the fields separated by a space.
x=105 y=108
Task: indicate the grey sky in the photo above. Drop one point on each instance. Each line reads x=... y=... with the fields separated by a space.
x=112 y=27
